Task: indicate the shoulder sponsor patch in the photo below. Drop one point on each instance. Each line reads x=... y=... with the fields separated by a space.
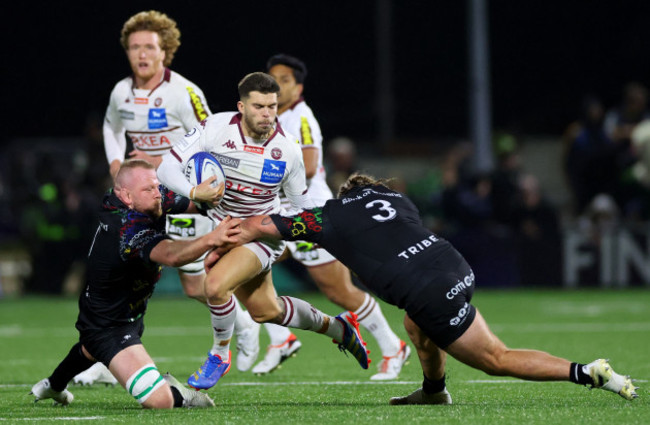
x=305 y=132
x=273 y=171
x=126 y=115
x=157 y=118
x=197 y=104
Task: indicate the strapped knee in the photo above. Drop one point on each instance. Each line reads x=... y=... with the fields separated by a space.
x=144 y=382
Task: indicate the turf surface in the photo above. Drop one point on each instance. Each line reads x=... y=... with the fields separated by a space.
x=323 y=386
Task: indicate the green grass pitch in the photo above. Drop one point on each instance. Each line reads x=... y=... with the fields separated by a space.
x=323 y=386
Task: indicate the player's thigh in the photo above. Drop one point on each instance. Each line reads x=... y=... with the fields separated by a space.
x=238 y=266
x=477 y=346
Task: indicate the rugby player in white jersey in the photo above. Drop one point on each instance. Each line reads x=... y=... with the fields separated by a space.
x=154 y=107
x=259 y=158
x=331 y=277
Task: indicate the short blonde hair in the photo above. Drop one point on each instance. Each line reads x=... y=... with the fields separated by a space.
x=157 y=22
x=126 y=167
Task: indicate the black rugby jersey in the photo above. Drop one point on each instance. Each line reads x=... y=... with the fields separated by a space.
x=376 y=232
x=120 y=275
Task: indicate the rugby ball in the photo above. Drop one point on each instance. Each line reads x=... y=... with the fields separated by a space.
x=201 y=166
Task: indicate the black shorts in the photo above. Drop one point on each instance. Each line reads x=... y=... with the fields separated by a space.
x=104 y=344
x=440 y=302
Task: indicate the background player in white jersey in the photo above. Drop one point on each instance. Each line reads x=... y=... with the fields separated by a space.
x=259 y=159
x=331 y=277
x=154 y=107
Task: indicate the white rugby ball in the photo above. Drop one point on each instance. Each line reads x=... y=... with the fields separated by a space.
x=202 y=166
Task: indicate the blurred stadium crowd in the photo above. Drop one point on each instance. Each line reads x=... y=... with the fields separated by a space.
x=502 y=221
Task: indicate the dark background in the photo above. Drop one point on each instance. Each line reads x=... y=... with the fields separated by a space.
x=60 y=60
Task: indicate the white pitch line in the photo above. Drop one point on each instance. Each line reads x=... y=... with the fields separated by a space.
x=18 y=331
x=61 y=418
x=282 y=384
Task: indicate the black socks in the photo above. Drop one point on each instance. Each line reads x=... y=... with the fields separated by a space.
x=433 y=386
x=75 y=362
x=578 y=376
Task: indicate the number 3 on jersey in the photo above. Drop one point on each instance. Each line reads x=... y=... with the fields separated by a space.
x=387 y=212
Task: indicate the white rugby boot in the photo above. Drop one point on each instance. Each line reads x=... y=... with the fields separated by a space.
x=42 y=391
x=605 y=378
x=248 y=347
x=390 y=367
x=95 y=374
x=276 y=354
x=191 y=398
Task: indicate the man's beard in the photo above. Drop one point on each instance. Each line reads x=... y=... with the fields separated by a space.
x=257 y=133
x=155 y=212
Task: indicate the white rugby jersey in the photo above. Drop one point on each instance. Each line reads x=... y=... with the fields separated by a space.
x=299 y=120
x=153 y=119
x=255 y=169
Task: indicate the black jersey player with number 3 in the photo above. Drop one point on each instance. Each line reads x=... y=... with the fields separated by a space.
x=377 y=233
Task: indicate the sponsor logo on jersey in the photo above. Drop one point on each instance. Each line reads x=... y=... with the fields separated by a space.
x=141 y=101
x=182 y=227
x=230 y=145
x=273 y=171
x=276 y=153
x=239 y=187
x=418 y=247
x=226 y=160
x=460 y=285
x=147 y=142
x=157 y=102
x=197 y=104
x=157 y=118
x=126 y=115
x=254 y=149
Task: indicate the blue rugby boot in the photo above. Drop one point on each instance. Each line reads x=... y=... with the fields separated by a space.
x=209 y=374
x=352 y=341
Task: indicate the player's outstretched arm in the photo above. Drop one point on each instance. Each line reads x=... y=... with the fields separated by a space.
x=176 y=253
x=250 y=229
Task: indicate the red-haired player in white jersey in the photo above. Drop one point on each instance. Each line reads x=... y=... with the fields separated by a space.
x=331 y=277
x=259 y=158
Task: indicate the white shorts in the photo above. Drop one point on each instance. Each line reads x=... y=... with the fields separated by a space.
x=188 y=227
x=267 y=251
x=309 y=254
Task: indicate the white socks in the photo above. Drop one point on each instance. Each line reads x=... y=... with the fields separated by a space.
x=371 y=318
x=223 y=323
x=302 y=315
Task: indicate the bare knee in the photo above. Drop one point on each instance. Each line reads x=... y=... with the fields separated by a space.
x=215 y=288
x=162 y=398
x=195 y=292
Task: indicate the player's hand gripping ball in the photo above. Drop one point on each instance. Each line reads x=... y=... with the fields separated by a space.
x=201 y=167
